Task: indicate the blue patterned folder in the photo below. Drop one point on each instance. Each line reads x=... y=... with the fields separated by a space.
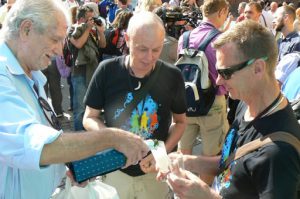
x=102 y=163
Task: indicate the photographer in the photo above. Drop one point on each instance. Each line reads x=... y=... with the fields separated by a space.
x=87 y=35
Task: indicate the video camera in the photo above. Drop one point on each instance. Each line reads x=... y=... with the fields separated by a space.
x=185 y=15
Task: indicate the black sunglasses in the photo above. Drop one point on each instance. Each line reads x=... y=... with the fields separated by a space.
x=226 y=73
x=53 y=121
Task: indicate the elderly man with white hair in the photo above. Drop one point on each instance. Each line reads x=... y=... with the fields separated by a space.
x=33 y=147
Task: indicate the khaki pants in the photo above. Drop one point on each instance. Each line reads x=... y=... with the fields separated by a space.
x=212 y=129
x=140 y=187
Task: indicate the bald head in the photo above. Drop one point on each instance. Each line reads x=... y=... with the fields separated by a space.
x=144 y=20
x=10 y=2
x=145 y=38
x=273 y=6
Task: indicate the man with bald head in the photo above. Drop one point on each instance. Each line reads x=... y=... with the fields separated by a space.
x=273 y=8
x=115 y=87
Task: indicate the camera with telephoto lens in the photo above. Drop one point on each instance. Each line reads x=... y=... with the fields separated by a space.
x=97 y=21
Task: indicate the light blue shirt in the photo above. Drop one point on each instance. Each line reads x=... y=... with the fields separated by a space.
x=24 y=131
x=291 y=87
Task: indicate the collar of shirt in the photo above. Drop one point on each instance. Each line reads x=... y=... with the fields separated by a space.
x=15 y=68
x=290 y=36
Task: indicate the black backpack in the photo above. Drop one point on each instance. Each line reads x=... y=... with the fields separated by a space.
x=70 y=52
x=112 y=36
x=200 y=92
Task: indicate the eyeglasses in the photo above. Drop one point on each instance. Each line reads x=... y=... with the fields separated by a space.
x=53 y=121
x=226 y=73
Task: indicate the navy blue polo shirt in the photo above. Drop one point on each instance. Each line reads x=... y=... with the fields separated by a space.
x=289 y=44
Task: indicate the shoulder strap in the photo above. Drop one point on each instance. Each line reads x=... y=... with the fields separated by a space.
x=139 y=95
x=264 y=20
x=186 y=39
x=115 y=36
x=142 y=92
x=269 y=139
x=209 y=37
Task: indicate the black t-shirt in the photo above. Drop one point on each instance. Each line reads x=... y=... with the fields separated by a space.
x=270 y=172
x=112 y=89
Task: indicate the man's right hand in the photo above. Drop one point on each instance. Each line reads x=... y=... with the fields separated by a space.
x=132 y=146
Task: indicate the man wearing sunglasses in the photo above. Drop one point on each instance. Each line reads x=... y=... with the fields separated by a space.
x=271 y=171
x=32 y=146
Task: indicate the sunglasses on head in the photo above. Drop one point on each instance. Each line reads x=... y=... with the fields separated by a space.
x=53 y=121
x=226 y=73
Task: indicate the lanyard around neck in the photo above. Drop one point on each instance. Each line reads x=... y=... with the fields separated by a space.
x=268 y=110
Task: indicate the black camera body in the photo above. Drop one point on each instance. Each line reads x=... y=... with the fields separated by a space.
x=185 y=15
x=97 y=21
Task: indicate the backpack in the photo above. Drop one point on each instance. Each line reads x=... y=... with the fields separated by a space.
x=70 y=52
x=107 y=9
x=193 y=64
x=112 y=36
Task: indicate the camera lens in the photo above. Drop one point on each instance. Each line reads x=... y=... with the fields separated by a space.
x=97 y=21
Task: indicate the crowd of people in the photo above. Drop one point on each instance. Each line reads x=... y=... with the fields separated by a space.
x=124 y=88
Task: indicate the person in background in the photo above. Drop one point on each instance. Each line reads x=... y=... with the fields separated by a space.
x=283 y=22
x=266 y=19
x=72 y=11
x=297 y=21
x=53 y=87
x=273 y=8
x=33 y=148
x=159 y=112
x=87 y=37
x=123 y=5
x=147 y=5
x=291 y=86
x=121 y=23
x=115 y=37
x=169 y=51
x=241 y=10
x=212 y=127
x=94 y=6
x=272 y=171
x=4 y=10
x=253 y=11
x=286 y=66
x=70 y=3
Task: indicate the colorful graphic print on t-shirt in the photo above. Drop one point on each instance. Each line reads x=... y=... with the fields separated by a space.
x=143 y=120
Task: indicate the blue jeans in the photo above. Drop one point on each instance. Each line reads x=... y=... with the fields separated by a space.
x=79 y=89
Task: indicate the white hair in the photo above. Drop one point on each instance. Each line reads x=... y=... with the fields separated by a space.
x=40 y=12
